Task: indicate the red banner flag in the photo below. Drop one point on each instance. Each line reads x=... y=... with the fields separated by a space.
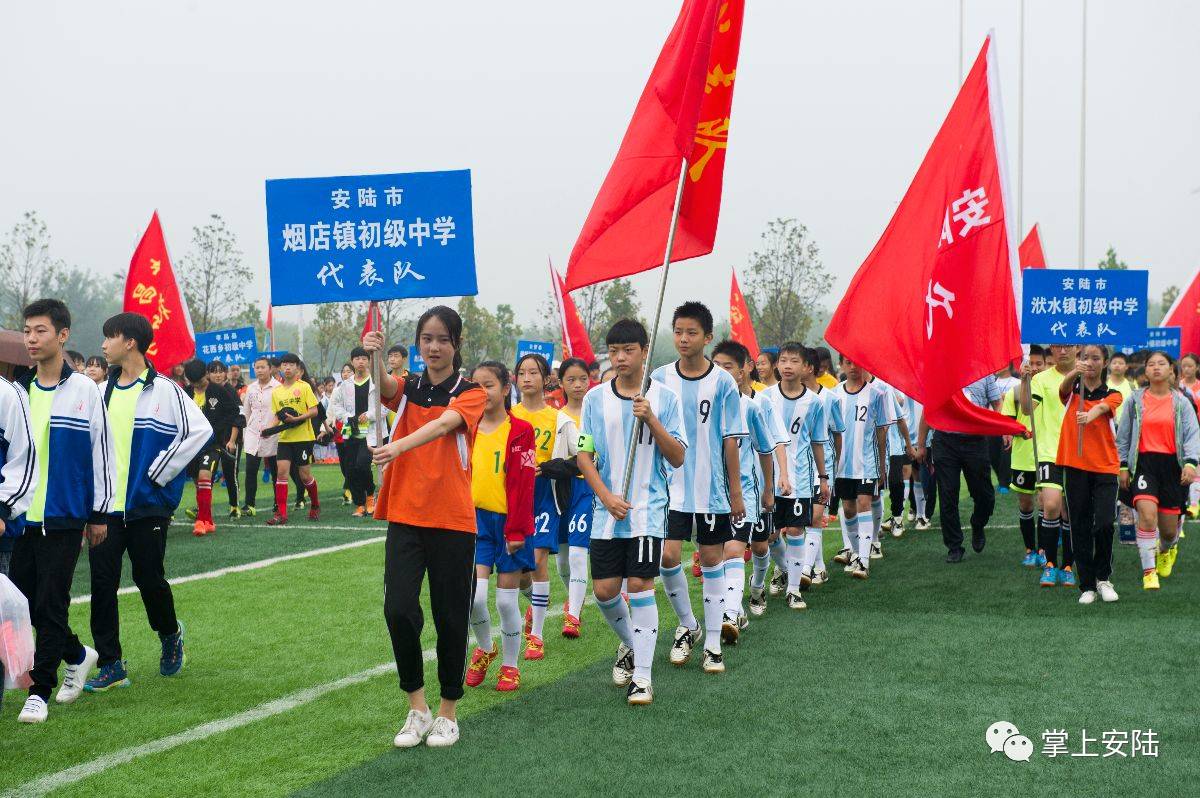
x=741 y=328
x=271 y=327
x=932 y=309
x=374 y=320
x=1185 y=314
x=151 y=291
x=683 y=113
x=1030 y=254
x=575 y=338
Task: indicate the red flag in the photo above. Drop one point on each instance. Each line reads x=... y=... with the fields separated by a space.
x=151 y=290
x=741 y=328
x=1185 y=314
x=575 y=338
x=1030 y=254
x=932 y=309
x=271 y=326
x=374 y=320
x=683 y=113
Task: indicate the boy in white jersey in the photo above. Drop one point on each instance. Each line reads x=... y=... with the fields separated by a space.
x=706 y=491
x=814 y=559
x=627 y=534
x=896 y=436
x=764 y=442
x=803 y=415
x=863 y=462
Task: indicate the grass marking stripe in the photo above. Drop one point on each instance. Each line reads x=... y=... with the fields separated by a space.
x=249 y=566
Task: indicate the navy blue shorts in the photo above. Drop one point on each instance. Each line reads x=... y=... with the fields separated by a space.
x=575 y=527
x=545 y=516
x=490 y=549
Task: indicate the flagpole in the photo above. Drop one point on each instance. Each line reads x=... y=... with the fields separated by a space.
x=960 y=41
x=1021 y=127
x=1082 y=133
x=662 y=291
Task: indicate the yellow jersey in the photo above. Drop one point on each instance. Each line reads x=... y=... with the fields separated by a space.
x=544 y=422
x=827 y=380
x=298 y=396
x=487 y=469
x=1048 y=415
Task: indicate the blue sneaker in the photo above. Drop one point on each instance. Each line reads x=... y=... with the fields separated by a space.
x=1066 y=578
x=1041 y=559
x=1031 y=560
x=1049 y=576
x=173 y=658
x=111 y=675
x=1003 y=491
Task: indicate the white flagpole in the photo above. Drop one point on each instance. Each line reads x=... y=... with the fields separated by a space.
x=961 y=77
x=662 y=290
x=1082 y=134
x=1021 y=127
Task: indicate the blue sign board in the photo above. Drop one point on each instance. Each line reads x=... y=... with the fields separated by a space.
x=364 y=237
x=416 y=363
x=228 y=346
x=1161 y=339
x=1074 y=306
x=543 y=348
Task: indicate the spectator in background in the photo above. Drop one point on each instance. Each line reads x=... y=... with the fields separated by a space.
x=96 y=369
x=999 y=456
x=218 y=374
x=594 y=372
x=260 y=449
x=397 y=361
x=825 y=377
x=178 y=376
x=236 y=381
x=76 y=359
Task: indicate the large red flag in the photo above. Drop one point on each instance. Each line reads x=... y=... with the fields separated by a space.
x=683 y=113
x=575 y=338
x=741 y=328
x=932 y=309
x=1185 y=314
x=151 y=291
x=374 y=320
x=1030 y=254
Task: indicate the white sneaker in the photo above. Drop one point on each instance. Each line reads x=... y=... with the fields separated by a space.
x=681 y=648
x=1107 y=591
x=758 y=601
x=76 y=677
x=858 y=569
x=34 y=711
x=876 y=551
x=640 y=692
x=922 y=524
x=820 y=576
x=622 y=670
x=416 y=727
x=898 y=528
x=1087 y=597
x=443 y=734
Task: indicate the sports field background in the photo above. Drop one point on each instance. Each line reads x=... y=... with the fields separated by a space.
x=882 y=687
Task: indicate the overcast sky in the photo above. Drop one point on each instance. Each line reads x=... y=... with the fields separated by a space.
x=114 y=109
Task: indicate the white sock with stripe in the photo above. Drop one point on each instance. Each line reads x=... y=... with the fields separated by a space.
x=777 y=551
x=795 y=561
x=541 y=601
x=1147 y=545
x=643 y=611
x=735 y=584
x=563 y=560
x=758 y=573
x=876 y=519
x=481 y=617
x=616 y=612
x=675 y=583
x=864 y=526
x=510 y=624
x=714 y=605
x=813 y=541
x=577 y=587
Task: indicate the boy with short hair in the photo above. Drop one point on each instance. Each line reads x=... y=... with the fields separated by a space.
x=1024 y=464
x=627 y=534
x=260 y=449
x=397 y=361
x=219 y=374
x=295 y=405
x=349 y=404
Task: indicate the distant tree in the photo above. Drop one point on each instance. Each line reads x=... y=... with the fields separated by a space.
x=1169 y=295
x=1111 y=262
x=487 y=335
x=215 y=279
x=785 y=283
x=27 y=269
x=91 y=300
x=335 y=331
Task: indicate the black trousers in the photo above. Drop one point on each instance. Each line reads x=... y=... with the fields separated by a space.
x=357 y=465
x=343 y=463
x=42 y=567
x=928 y=477
x=1001 y=460
x=229 y=470
x=253 y=463
x=955 y=457
x=1092 y=504
x=449 y=559
x=145 y=539
x=896 y=485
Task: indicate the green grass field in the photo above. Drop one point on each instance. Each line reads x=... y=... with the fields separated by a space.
x=882 y=687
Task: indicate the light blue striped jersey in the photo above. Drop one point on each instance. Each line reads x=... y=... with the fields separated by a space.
x=711 y=410
x=863 y=411
x=608 y=418
x=762 y=439
x=803 y=418
x=895 y=441
x=833 y=425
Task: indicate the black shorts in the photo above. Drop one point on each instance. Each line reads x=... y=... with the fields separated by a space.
x=898 y=461
x=754 y=531
x=1157 y=480
x=848 y=489
x=621 y=558
x=300 y=453
x=1050 y=475
x=712 y=529
x=794 y=513
x=1024 y=481
x=209 y=459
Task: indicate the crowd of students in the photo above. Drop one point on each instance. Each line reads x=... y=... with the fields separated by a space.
x=491 y=471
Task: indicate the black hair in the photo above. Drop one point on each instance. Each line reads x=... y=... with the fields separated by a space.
x=274 y=362
x=501 y=372
x=810 y=356
x=133 y=326
x=793 y=348
x=264 y=359
x=289 y=357
x=1118 y=354
x=733 y=350
x=573 y=361
x=347 y=366
x=595 y=364
x=542 y=366
x=358 y=351
x=195 y=370
x=627 y=331
x=771 y=355
x=824 y=354
x=75 y=356
x=328 y=380
x=96 y=360
x=449 y=317
x=217 y=365
x=53 y=309
x=697 y=311
x=398 y=349
x=1104 y=356
x=1037 y=349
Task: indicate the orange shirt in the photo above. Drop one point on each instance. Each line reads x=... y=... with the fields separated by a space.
x=430 y=486
x=1158 y=424
x=1099 y=443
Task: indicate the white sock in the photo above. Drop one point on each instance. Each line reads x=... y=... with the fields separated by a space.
x=812 y=547
x=675 y=583
x=616 y=612
x=778 y=553
x=1147 y=545
x=563 y=560
x=510 y=624
x=863 y=523
x=577 y=587
x=919 y=493
x=643 y=610
x=1194 y=493
x=907 y=492
x=846 y=524
x=758 y=576
x=625 y=586
x=541 y=601
x=481 y=617
x=735 y=584
x=795 y=561
x=876 y=519
x=714 y=605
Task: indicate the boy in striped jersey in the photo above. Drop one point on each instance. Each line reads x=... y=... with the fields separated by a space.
x=803 y=415
x=814 y=555
x=627 y=534
x=706 y=491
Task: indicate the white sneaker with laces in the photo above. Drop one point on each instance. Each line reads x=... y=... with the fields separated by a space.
x=76 y=677
x=416 y=727
x=877 y=551
x=622 y=670
x=34 y=711
x=1087 y=597
x=1107 y=591
x=898 y=528
x=443 y=734
x=681 y=648
x=922 y=524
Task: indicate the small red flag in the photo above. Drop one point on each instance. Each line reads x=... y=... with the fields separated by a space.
x=683 y=113
x=1030 y=254
x=151 y=291
x=1185 y=314
x=740 y=326
x=932 y=309
x=374 y=320
x=575 y=338
x=271 y=326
